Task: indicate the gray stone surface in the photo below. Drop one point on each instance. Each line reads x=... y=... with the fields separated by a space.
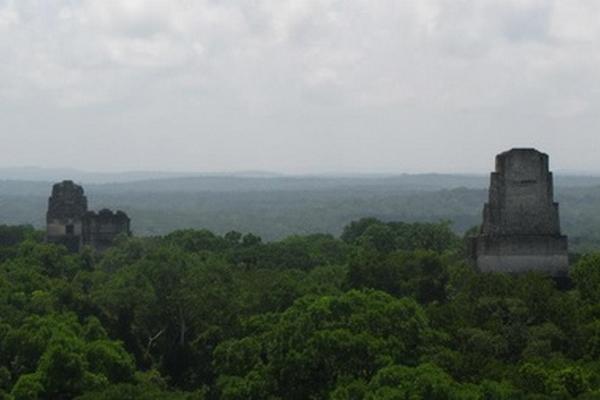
x=100 y=229
x=69 y=222
x=66 y=206
x=66 y=202
x=521 y=226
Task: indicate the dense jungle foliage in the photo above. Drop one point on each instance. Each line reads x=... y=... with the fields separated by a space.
x=386 y=311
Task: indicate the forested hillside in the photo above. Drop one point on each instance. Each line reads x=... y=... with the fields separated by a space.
x=386 y=311
x=277 y=207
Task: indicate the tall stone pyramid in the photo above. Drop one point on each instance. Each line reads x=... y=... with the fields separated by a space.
x=521 y=226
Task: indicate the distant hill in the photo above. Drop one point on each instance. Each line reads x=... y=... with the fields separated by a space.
x=258 y=180
x=55 y=174
x=279 y=206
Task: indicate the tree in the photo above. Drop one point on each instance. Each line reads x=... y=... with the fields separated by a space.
x=586 y=275
x=420 y=274
x=317 y=341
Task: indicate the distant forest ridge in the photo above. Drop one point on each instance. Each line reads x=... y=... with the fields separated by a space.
x=38 y=174
x=53 y=174
x=34 y=179
x=278 y=206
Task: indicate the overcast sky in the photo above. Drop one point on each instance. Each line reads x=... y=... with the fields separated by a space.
x=298 y=86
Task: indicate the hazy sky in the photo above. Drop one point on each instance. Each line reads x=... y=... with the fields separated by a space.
x=298 y=86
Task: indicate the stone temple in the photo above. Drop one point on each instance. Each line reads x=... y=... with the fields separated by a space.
x=68 y=221
x=521 y=227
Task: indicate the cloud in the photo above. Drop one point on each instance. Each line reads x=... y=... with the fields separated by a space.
x=211 y=79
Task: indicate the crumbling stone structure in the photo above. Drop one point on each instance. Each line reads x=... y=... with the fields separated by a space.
x=66 y=206
x=69 y=222
x=521 y=227
x=100 y=229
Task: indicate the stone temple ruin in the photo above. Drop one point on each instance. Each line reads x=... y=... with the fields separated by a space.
x=521 y=227
x=68 y=221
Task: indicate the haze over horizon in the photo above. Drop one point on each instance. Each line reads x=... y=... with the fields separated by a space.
x=298 y=87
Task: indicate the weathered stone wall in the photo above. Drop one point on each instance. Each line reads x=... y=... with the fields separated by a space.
x=521 y=196
x=59 y=227
x=70 y=223
x=521 y=227
x=517 y=253
x=66 y=202
x=555 y=265
x=66 y=207
x=101 y=229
